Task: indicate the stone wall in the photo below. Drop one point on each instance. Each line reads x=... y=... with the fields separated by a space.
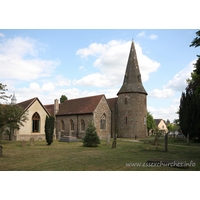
x=132 y=114
x=67 y=125
x=101 y=109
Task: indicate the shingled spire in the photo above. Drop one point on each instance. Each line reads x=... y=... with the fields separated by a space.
x=132 y=79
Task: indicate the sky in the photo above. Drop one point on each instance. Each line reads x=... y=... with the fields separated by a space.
x=80 y=48
x=48 y=63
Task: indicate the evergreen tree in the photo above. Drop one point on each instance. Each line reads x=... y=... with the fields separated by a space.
x=49 y=129
x=91 y=138
x=189 y=112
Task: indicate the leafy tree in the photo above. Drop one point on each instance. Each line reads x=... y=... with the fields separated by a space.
x=157 y=132
x=194 y=82
x=2 y=93
x=196 y=41
x=170 y=127
x=150 y=122
x=11 y=118
x=168 y=121
x=63 y=98
x=91 y=138
x=49 y=129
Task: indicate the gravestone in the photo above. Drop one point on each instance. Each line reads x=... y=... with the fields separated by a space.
x=108 y=139
x=59 y=135
x=165 y=142
x=23 y=143
x=32 y=141
x=1 y=150
x=188 y=139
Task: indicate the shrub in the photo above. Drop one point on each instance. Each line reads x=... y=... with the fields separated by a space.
x=91 y=138
x=49 y=129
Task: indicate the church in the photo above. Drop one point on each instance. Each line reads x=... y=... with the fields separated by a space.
x=125 y=115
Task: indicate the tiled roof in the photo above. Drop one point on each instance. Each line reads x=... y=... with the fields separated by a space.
x=112 y=102
x=84 y=105
x=28 y=103
x=50 y=109
x=158 y=121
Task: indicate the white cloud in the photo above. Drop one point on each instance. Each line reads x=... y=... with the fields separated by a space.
x=81 y=67
x=18 y=60
x=60 y=81
x=2 y=35
x=142 y=34
x=153 y=37
x=176 y=101
x=47 y=87
x=164 y=113
x=97 y=80
x=165 y=93
x=112 y=60
x=179 y=81
x=92 y=50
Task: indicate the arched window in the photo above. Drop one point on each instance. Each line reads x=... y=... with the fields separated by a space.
x=36 y=122
x=125 y=100
x=82 y=125
x=72 y=125
x=103 y=121
x=62 y=125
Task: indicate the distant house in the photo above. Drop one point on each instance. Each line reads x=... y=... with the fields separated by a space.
x=161 y=125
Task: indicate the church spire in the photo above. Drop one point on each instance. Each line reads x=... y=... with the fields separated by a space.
x=132 y=79
x=13 y=100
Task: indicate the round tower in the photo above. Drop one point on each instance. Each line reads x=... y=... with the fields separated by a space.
x=131 y=104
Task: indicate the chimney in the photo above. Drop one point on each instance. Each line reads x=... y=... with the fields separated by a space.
x=56 y=107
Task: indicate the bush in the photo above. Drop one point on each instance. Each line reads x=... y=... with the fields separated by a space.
x=91 y=138
x=49 y=129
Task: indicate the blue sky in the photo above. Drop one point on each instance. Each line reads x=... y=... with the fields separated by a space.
x=83 y=62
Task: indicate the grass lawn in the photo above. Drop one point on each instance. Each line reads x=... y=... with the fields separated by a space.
x=63 y=156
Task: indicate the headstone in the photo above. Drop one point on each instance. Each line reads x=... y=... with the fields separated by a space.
x=59 y=135
x=32 y=141
x=165 y=142
x=188 y=139
x=108 y=139
x=23 y=143
x=1 y=150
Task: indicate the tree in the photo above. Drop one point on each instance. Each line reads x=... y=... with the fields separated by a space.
x=2 y=93
x=49 y=129
x=63 y=98
x=170 y=127
x=91 y=138
x=196 y=41
x=168 y=121
x=189 y=113
x=11 y=118
x=194 y=82
x=157 y=132
x=150 y=122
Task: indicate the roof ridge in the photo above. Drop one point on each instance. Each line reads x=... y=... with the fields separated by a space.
x=84 y=97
